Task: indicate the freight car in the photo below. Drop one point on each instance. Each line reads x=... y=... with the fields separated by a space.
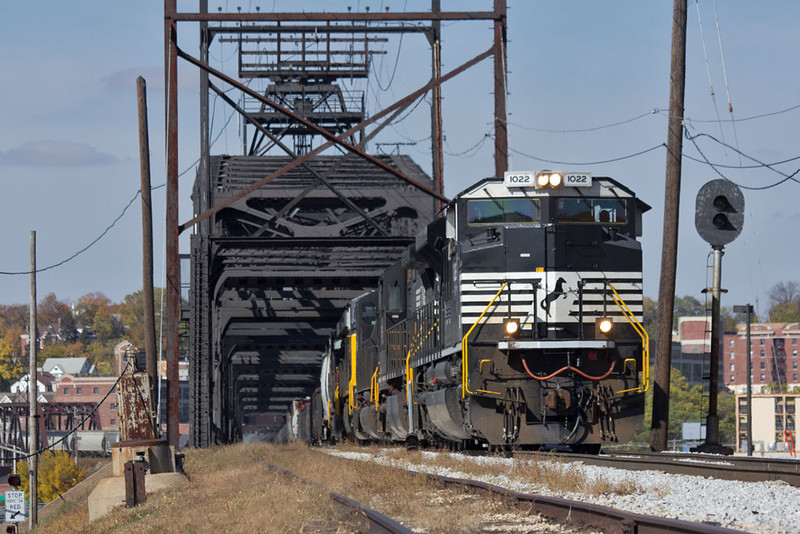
x=512 y=322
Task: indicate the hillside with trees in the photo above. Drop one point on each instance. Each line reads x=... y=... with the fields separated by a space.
x=89 y=328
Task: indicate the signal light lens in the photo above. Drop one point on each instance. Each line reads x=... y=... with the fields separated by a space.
x=512 y=327
x=605 y=325
x=555 y=179
x=14 y=480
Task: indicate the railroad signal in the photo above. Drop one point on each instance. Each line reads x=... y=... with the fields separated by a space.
x=719 y=212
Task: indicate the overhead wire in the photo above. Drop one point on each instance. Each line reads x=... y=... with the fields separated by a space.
x=708 y=69
x=693 y=139
x=583 y=130
x=613 y=160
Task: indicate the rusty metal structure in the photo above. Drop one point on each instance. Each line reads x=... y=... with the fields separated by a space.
x=305 y=218
x=56 y=416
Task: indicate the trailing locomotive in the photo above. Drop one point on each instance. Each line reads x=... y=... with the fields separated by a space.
x=513 y=321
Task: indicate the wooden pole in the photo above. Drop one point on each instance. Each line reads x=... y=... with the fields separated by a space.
x=173 y=259
x=147 y=245
x=669 y=247
x=33 y=391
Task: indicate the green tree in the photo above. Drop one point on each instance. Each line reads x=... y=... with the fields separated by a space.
x=650 y=316
x=106 y=326
x=102 y=356
x=784 y=300
x=57 y=474
x=132 y=312
x=56 y=350
x=67 y=330
x=688 y=404
x=687 y=306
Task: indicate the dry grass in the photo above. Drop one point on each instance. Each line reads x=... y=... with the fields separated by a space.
x=231 y=491
x=226 y=489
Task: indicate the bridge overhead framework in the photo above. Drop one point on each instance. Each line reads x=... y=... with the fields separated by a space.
x=305 y=219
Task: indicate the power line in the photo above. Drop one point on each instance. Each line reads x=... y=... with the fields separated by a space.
x=591 y=129
x=786 y=178
x=761 y=163
x=537 y=158
x=84 y=249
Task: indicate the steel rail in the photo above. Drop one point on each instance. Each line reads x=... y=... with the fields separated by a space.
x=609 y=519
x=721 y=467
x=378 y=523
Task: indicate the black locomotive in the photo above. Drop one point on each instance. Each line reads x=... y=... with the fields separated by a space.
x=512 y=322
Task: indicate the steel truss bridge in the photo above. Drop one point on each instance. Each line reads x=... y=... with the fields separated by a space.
x=305 y=219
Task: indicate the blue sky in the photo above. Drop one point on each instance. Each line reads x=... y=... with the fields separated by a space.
x=69 y=141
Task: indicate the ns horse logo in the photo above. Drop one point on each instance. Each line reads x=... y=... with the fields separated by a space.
x=557 y=292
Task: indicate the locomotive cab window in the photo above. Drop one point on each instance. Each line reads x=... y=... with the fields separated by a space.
x=591 y=210
x=503 y=210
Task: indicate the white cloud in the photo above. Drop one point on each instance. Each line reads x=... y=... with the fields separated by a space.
x=55 y=153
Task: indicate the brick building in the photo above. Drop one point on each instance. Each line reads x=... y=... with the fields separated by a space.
x=691 y=350
x=92 y=389
x=775 y=358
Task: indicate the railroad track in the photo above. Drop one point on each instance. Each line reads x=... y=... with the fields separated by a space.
x=608 y=519
x=746 y=469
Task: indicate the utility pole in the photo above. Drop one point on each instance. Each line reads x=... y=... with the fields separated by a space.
x=436 y=107
x=669 y=247
x=147 y=244
x=33 y=391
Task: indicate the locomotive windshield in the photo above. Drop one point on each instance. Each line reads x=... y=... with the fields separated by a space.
x=591 y=210
x=503 y=210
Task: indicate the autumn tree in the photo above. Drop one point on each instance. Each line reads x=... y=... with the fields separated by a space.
x=12 y=362
x=57 y=473
x=50 y=310
x=88 y=306
x=14 y=315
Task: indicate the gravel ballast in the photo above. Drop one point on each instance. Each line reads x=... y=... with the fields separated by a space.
x=759 y=507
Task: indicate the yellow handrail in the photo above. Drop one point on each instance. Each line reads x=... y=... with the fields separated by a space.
x=351 y=385
x=373 y=389
x=645 y=340
x=464 y=347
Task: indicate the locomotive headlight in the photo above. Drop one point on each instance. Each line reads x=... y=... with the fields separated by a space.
x=604 y=325
x=512 y=327
x=543 y=179
x=555 y=179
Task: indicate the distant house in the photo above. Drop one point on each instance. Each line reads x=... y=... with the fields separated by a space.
x=45 y=383
x=68 y=366
x=10 y=398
